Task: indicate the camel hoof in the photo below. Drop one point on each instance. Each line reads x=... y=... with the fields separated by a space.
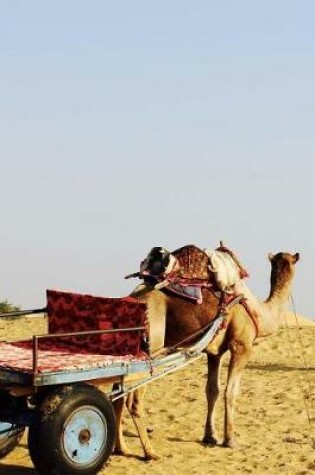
x=229 y=443
x=151 y=456
x=124 y=452
x=209 y=440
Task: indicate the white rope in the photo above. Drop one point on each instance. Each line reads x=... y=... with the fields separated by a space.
x=306 y=397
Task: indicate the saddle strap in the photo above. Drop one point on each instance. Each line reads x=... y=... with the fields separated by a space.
x=252 y=316
x=242 y=301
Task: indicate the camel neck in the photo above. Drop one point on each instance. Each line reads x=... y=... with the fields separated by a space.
x=270 y=311
x=280 y=288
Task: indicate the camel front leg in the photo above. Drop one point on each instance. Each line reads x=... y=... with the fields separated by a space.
x=212 y=392
x=135 y=407
x=239 y=358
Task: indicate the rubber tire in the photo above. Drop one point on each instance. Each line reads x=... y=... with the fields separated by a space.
x=10 y=441
x=45 y=433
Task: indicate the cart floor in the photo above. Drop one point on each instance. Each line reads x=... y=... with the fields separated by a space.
x=18 y=357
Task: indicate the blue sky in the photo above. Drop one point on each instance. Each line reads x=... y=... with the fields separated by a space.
x=126 y=125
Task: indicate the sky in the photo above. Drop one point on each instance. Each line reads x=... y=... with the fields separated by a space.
x=127 y=125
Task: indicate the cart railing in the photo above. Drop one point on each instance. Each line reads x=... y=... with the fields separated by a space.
x=35 y=339
x=47 y=336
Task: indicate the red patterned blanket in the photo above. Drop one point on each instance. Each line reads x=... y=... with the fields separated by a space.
x=55 y=358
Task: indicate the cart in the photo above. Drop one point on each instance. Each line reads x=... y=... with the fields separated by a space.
x=51 y=383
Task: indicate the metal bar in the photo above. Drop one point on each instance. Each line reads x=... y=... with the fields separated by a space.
x=60 y=335
x=90 y=332
x=20 y=313
x=155 y=377
x=84 y=333
x=35 y=356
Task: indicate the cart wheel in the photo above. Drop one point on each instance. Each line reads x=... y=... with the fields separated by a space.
x=10 y=436
x=73 y=432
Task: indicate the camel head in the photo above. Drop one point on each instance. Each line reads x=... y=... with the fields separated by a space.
x=291 y=259
x=282 y=266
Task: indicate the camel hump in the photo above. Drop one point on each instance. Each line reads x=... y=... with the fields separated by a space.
x=193 y=263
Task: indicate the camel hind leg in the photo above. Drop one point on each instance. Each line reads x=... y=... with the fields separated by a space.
x=134 y=403
x=135 y=407
x=120 y=444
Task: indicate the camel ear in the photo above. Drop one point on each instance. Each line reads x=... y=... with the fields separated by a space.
x=270 y=256
x=296 y=257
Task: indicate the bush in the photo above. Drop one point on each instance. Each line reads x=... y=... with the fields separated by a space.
x=6 y=307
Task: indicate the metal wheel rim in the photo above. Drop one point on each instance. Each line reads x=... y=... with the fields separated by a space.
x=84 y=435
x=6 y=430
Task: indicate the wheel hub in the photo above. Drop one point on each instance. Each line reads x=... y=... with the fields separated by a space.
x=84 y=435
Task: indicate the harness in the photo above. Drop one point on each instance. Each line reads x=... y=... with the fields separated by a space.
x=252 y=315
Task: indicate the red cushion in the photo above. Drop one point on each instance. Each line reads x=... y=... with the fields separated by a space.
x=70 y=312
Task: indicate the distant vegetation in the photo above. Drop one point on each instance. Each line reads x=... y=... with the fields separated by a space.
x=6 y=307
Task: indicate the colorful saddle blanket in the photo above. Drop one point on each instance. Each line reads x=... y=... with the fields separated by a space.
x=191 y=266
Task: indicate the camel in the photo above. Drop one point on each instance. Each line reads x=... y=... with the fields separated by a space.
x=181 y=317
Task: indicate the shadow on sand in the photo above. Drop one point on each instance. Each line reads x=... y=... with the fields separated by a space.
x=273 y=367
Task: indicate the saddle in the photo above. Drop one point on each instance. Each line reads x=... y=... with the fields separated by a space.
x=191 y=266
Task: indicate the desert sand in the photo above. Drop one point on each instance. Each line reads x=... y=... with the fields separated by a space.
x=275 y=417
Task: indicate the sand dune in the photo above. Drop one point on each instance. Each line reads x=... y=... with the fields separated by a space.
x=275 y=418
x=293 y=320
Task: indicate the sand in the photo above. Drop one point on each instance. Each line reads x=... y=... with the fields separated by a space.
x=275 y=416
